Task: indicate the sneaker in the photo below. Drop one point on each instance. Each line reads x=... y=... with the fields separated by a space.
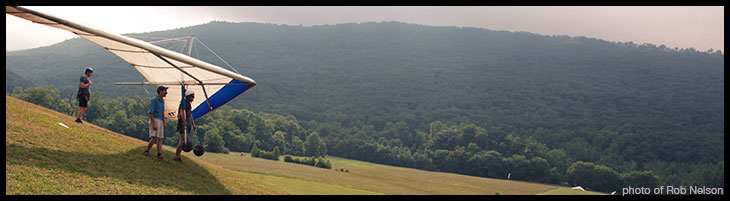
x=177 y=159
x=159 y=155
x=146 y=153
x=79 y=121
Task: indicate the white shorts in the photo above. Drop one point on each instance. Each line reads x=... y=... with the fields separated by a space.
x=160 y=132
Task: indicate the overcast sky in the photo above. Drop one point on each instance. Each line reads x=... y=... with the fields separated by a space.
x=701 y=28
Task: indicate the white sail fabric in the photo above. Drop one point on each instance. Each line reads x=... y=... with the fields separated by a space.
x=159 y=66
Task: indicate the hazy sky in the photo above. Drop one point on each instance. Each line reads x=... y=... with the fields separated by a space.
x=701 y=28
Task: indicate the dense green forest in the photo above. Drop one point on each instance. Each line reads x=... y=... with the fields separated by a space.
x=13 y=80
x=453 y=99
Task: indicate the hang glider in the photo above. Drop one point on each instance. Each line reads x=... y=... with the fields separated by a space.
x=160 y=66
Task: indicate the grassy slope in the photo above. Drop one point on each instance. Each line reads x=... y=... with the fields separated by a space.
x=385 y=179
x=43 y=157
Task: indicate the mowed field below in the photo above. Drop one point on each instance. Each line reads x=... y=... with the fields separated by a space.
x=372 y=178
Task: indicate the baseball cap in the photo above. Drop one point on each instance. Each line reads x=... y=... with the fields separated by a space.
x=161 y=88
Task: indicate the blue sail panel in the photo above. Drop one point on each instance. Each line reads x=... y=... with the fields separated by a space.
x=220 y=98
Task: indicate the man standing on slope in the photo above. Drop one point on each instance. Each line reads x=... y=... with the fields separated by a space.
x=157 y=121
x=83 y=93
x=185 y=122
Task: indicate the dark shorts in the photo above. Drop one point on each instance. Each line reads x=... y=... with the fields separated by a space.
x=83 y=101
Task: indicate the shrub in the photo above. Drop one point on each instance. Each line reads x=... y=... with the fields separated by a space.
x=317 y=162
x=265 y=154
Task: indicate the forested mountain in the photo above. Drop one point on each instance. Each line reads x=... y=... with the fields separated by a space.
x=13 y=80
x=392 y=92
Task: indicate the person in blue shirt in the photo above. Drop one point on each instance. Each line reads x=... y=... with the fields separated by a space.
x=157 y=121
x=83 y=93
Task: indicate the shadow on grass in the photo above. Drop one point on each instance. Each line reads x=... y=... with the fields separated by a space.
x=132 y=167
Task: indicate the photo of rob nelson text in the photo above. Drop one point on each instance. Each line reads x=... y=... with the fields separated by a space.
x=672 y=190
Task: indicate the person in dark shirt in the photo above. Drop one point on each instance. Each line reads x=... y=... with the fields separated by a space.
x=83 y=93
x=185 y=123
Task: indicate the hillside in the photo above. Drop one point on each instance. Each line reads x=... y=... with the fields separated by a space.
x=420 y=96
x=509 y=81
x=13 y=80
x=43 y=157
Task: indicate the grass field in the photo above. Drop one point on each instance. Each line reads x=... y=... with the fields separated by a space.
x=384 y=179
x=306 y=187
x=43 y=157
x=568 y=191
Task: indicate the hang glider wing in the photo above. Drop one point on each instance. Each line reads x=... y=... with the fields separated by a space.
x=214 y=86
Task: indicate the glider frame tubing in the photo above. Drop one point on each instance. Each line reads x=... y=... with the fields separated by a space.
x=183 y=84
x=186 y=73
